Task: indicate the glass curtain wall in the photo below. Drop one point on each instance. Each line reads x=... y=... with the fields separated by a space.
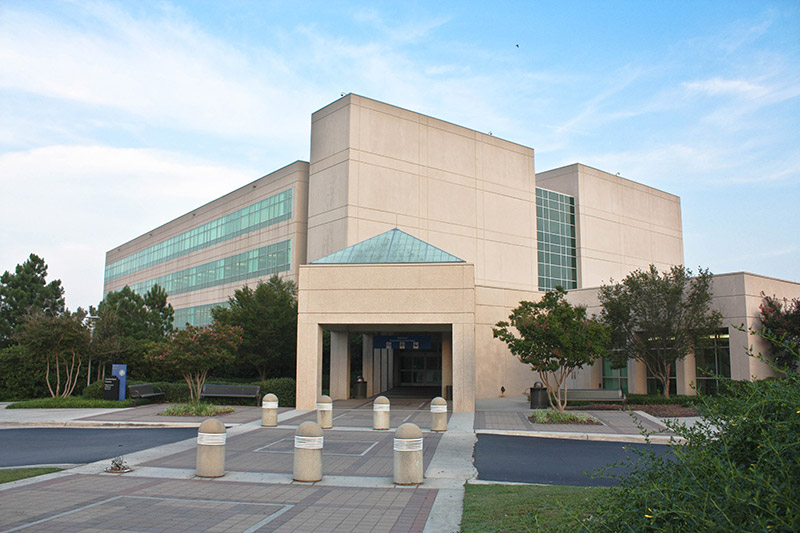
x=556 y=242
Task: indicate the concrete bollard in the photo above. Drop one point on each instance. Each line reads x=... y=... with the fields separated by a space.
x=380 y=413
x=325 y=412
x=211 y=448
x=308 y=443
x=438 y=414
x=269 y=411
x=408 y=455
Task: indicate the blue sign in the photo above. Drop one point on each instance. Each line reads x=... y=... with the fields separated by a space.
x=121 y=373
x=402 y=342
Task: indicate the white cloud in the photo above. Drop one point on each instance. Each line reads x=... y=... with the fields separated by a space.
x=70 y=204
x=716 y=86
x=164 y=71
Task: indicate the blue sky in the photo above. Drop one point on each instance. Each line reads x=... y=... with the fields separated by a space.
x=116 y=117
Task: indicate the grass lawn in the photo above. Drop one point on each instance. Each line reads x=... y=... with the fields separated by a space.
x=525 y=507
x=13 y=474
x=70 y=403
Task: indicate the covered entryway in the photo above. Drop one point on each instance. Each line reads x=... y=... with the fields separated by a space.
x=417 y=320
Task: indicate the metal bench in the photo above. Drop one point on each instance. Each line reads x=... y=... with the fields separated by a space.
x=232 y=391
x=595 y=395
x=144 y=391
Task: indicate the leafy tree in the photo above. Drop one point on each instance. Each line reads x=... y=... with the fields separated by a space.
x=268 y=317
x=26 y=291
x=659 y=318
x=194 y=351
x=555 y=338
x=781 y=321
x=128 y=324
x=60 y=342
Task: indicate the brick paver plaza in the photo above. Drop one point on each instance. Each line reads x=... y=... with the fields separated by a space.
x=257 y=492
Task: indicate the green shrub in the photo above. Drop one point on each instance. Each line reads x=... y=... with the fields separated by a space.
x=70 y=402
x=94 y=391
x=551 y=416
x=738 y=471
x=20 y=376
x=196 y=409
x=283 y=388
x=645 y=399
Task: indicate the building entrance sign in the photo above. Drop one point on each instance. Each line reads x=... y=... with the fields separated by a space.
x=402 y=342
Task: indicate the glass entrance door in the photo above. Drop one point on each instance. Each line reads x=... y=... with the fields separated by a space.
x=418 y=368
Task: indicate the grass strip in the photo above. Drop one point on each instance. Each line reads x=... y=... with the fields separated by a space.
x=526 y=507
x=70 y=403
x=8 y=475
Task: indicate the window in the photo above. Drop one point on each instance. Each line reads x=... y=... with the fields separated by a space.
x=276 y=208
x=263 y=261
x=555 y=239
x=614 y=378
x=713 y=358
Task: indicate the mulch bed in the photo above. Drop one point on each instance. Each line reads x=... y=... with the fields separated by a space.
x=659 y=410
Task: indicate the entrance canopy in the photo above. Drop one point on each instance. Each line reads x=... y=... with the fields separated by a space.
x=393 y=299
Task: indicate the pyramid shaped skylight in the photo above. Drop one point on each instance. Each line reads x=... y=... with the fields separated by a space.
x=394 y=246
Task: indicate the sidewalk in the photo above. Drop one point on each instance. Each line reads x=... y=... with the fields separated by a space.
x=257 y=492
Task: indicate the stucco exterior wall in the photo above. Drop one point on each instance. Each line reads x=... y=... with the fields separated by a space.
x=621 y=225
x=375 y=167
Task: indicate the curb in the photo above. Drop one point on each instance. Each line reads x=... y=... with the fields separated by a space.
x=599 y=437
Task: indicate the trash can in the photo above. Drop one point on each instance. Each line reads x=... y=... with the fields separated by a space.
x=360 y=388
x=111 y=388
x=539 y=396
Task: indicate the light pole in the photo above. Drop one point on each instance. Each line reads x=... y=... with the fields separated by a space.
x=91 y=323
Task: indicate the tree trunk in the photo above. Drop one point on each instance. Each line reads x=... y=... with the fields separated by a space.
x=665 y=381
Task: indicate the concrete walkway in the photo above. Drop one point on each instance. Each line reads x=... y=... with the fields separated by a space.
x=257 y=492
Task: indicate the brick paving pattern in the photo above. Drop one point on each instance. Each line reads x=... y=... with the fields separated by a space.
x=351 y=453
x=116 y=503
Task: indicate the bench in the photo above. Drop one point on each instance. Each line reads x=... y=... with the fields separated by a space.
x=232 y=391
x=143 y=391
x=595 y=395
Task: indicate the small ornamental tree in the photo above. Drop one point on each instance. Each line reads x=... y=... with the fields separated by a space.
x=658 y=318
x=781 y=321
x=555 y=338
x=194 y=351
x=60 y=342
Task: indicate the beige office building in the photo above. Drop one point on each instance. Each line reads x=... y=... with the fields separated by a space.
x=421 y=235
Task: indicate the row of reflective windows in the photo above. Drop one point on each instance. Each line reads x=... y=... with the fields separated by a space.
x=264 y=261
x=276 y=208
x=713 y=363
x=199 y=315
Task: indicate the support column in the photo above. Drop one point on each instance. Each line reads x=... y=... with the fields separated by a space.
x=637 y=377
x=447 y=362
x=309 y=364
x=464 y=368
x=686 y=374
x=376 y=371
x=366 y=363
x=340 y=365
x=385 y=355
